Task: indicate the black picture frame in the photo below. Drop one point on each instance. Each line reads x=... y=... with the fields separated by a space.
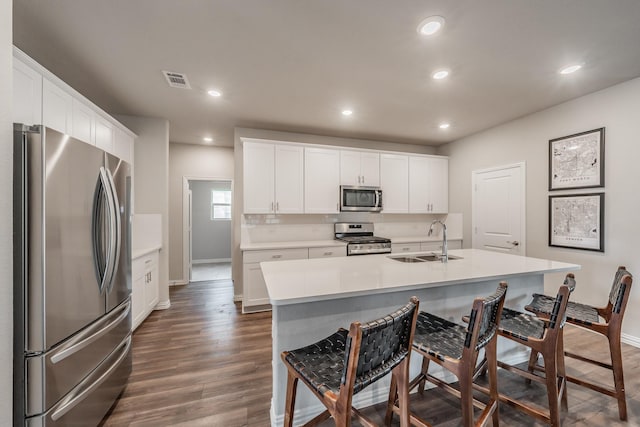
x=577 y=161
x=576 y=221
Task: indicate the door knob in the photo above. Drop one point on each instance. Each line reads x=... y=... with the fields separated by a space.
x=514 y=243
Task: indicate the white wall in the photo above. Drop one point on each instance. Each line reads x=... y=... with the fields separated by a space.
x=191 y=161
x=6 y=209
x=151 y=182
x=527 y=139
x=211 y=238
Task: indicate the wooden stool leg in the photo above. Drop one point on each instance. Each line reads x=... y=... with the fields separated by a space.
x=466 y=395
x=401 y=372
x=393 y=396
x=491 y=365
x=533 y=360
x=292 y=383
x=618 y=376
x=425 y=368
x=561 y=368
x=551 y=375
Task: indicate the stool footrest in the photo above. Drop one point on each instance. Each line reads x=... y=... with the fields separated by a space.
x=588 y=360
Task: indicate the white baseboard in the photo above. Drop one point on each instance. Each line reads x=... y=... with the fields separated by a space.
x=630 y=339
x=179 y=282
x=163 y=305
x=210 y=261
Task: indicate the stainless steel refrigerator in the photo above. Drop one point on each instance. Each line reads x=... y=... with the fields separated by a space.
x=72 y=279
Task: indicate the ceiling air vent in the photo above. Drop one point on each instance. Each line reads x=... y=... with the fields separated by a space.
x=177 y=80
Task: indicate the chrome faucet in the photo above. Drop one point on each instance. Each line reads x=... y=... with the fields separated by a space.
x=444 y=257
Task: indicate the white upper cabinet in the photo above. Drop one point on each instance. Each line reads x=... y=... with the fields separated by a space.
x=123 y=145
x=428 y=184
x=273 y=178
x=27 y=94
x=359 y=168
x=57 y=107
x=83 y=123
x=394 y=181
x=104 y=134
x=289 y=179
x=321 y=180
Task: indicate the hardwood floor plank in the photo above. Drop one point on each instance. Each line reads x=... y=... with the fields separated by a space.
x=203 y=363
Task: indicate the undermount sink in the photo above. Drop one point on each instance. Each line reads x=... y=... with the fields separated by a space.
x=421 y=258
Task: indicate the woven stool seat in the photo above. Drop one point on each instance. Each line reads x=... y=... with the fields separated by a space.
x=576 y=312
x=521 y=325
x=439 y=337
x=321 y=363
x=344 y=363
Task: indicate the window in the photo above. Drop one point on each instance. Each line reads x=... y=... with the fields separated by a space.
x=221 y=204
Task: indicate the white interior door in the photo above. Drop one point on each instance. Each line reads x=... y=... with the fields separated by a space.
x=498 y=203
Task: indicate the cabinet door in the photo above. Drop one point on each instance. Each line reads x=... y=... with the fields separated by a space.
x=255 y=289
x=151 y=284
x=321 y=180
x=104 y=134
x=122 y=145
x=419 y=184
x=137 y=292
x=57 y=107
x=258 y=177
x=289 y=179
x=405 y=247
x=350 y=168
x=27 y=94
x=439 y=185
x=370 y=169
x=83 y=123
x=394 y=180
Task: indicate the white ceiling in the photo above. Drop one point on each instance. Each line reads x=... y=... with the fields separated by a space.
x=295 y=64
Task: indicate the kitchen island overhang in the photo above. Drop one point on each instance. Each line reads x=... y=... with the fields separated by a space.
x=313 y=298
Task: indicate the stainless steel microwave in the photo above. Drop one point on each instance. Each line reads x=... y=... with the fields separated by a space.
x=360 y=199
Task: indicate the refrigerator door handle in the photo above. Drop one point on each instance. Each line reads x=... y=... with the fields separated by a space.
x=73 y=399
x=103 y=261
x=90 y=336
x=115 y=232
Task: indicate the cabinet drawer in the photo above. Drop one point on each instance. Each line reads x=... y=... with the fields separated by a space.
x=327 y=252
x=274 y=255
x=405 y=247
x=437 y=246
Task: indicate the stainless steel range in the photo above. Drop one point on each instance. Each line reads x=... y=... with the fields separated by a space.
x=360 y=239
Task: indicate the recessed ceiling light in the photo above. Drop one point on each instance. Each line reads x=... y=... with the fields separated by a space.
x=215 y=93
x=207 y=139
x=570 y=69
x=440 y=74
x=347 y=112
x=444 y=125
x=431 y=25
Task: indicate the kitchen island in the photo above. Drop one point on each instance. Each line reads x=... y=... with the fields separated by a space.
x=312 y=298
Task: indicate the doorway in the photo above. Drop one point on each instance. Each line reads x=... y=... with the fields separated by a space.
x=208 y=229
x=498 y=209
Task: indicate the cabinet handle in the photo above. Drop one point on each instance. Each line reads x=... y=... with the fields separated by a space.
x=405 y=249
x=328 y=253
x=277 y=206
x=276 y=256
x=363 y=179
x=271 y=209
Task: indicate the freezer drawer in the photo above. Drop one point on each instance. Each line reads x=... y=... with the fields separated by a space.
x=52 y=375
x=88 y=402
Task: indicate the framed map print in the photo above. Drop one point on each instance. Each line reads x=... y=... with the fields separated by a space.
x=577 y=161
x=576 y=221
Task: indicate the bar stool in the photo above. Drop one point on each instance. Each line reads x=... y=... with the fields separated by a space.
x=455 y=348
x=544 y=337
x=605 y=320
x=344 y=363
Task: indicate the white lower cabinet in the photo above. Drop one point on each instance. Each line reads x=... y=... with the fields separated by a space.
x=144 y=295
x=424 y=246
x=254 y=293
x=327 y=252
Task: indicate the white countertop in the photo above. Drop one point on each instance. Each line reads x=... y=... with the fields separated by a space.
x=297 y=281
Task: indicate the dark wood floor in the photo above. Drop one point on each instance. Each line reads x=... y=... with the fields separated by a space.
x=203 y=363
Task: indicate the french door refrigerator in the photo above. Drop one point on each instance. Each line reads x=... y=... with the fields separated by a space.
x=72 y=279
